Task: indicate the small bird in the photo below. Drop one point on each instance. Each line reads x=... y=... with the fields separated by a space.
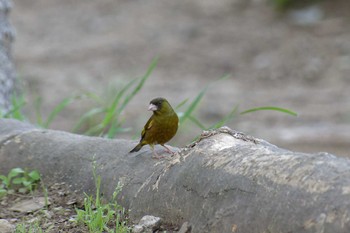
x=160 y=128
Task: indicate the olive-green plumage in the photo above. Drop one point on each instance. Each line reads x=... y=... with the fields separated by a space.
x=161 y=127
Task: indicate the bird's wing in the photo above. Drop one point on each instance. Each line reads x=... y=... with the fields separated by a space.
x=148 y=125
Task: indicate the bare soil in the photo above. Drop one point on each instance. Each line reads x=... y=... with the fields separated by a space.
x=59 y=216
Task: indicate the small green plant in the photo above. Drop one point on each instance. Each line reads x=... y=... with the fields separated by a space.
x=17 y=103
x=6 y=181
x=29 y=228
x=24 y=180
x=46 y=194
x=28 y=181
x=99 y=217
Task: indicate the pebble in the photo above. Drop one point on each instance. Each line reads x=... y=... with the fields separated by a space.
x=147 y=224
x=29 y=206
x=137 y=229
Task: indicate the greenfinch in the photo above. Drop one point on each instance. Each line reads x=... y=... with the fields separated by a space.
x=161 y=126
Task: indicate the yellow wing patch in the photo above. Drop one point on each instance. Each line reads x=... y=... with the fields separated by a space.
x=148 y=125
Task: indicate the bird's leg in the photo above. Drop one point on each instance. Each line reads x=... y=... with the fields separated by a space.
x=155 y=155
x=168 y=150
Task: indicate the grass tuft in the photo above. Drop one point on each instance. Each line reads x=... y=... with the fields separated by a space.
x=99 y=217
x=109 y=113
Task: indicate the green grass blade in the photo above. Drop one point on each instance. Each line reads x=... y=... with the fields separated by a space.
x=111 y=119
x=181 y=103
x=37 y=106
x=58 y=109
x=187 y=114
x=113 y=109
x=17 y=104
x=91 y=113
x=140 y=84
x=226 y=119
x=197 y=122
x=94 y=97
x=192 y=106
x=222 y=78
x=95 y=130
x=15 y=112
x=283 y=110
x=113 y=112
x=113 y=130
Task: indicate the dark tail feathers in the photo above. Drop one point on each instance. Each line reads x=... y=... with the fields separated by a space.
x=137 y=148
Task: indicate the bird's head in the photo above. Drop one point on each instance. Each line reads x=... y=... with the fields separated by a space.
x=159 y=106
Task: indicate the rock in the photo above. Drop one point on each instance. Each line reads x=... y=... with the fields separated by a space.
x=71 y=202
x=185 y=228
x=150 y=221
x=6 y=227
x=29 y=206
x=137 y=229
x=147 y=224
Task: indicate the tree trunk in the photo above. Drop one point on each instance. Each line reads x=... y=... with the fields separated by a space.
x=225 y=182
x=7 y=74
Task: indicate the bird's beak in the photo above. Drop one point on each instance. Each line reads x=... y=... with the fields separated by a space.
x=152 y=107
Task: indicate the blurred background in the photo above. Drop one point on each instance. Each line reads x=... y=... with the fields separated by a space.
x=296 y=58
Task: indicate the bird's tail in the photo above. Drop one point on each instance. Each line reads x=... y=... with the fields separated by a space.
x=137 y=148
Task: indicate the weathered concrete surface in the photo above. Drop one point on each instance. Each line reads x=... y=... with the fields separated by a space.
x=226 y=182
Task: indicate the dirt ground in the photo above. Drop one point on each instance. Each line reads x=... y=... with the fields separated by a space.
x=56 y=217
x=59 y=216
x=70 y=46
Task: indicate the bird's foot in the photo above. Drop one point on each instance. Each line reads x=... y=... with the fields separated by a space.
x=169 y=151
x=156 y=156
